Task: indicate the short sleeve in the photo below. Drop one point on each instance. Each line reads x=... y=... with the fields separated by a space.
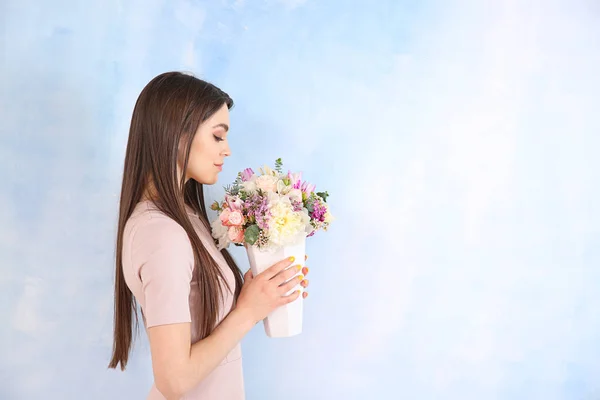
x=163 y=251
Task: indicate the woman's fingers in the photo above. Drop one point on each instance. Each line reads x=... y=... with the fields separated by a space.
x=289 y=298
x=276 y=268
x=286 y=287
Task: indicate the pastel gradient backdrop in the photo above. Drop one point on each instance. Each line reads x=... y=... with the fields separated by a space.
x=457 y=139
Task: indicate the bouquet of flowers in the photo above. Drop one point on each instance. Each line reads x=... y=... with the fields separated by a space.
x=269 y=210
x=271 y=214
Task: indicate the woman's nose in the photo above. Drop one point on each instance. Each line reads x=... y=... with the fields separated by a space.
x=227 y=151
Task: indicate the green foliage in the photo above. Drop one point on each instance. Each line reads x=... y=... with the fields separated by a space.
x=279 y=165
x=323 y=195
x=251 y=234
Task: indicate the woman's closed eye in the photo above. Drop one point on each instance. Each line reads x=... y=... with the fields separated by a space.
x=218 y=138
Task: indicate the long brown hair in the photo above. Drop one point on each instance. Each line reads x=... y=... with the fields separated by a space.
x=166 y=116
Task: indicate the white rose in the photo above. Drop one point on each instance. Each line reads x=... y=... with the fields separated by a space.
x=266 y=183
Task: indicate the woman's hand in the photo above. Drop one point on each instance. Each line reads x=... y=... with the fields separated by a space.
x=263 y=293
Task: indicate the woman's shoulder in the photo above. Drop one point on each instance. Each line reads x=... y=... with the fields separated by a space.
x=152 y=228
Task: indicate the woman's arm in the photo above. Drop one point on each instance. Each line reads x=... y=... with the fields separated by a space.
x=179 y=366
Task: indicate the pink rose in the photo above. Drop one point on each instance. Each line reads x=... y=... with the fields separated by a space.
x=224 y=217
x=236 y=234
x=266 y=183
x=235 y=218
x=234 y=202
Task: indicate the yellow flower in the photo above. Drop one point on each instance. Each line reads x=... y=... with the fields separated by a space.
x=285 y=224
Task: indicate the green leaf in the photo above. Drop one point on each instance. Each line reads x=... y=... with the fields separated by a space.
x=278 y=165
x=323 y=195
x=251 y=234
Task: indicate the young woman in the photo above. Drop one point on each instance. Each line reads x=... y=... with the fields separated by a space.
x=196 y=306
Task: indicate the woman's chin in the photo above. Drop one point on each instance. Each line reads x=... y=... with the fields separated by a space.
x=207 y=180
x=211 y=181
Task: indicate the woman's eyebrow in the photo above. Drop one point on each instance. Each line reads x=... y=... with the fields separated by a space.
x=224 y=126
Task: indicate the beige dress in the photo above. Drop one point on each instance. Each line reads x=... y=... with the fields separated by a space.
x=157 y=264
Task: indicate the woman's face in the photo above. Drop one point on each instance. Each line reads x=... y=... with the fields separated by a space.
x=209 y=148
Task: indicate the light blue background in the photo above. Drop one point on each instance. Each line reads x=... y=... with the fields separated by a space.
x=458 y=141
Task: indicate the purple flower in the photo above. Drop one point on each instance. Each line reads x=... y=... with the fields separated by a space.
x=257 y=208
x=295 y=179
x=297 y=205
x=319 y=211
x=247 y=174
